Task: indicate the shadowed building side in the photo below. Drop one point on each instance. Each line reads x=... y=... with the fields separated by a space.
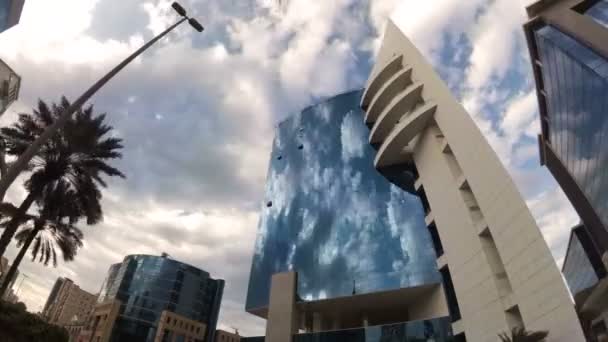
x=10 y=13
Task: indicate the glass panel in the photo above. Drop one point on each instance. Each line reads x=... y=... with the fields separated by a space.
x=4 y=9
x=577 y=109
x=599 y=12
x=437 y=330
x=326 y=206
x=578 y=271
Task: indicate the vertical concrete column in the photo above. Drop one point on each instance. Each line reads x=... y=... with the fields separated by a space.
x=317 y=322
x=302 y=318
x=365 y=321
x=335 y=324
x=281 y=323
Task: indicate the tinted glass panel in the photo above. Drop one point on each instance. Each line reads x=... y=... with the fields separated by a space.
x=599 y=12
x=330 y=216
x=437 y=330
x=576 y=81
x=578 y=270
x=4 y=8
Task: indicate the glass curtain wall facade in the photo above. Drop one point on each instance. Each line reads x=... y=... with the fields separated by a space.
x=331 y=217
x=146 y=285
x=599 y=12
x=582 y=267
x=576 y=84
x=416 y=331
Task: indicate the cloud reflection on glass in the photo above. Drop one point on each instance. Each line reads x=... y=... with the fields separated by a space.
x=330 y=216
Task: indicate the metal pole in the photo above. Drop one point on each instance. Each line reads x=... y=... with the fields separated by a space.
x=21 y=163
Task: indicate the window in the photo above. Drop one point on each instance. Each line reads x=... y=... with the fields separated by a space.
x=425 y=203
x=460 y=338
x=450 y=294
x=436 y=240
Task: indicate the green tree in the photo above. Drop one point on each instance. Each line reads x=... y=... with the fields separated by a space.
x=18 y=325
x=73 y=162
x=521 y=335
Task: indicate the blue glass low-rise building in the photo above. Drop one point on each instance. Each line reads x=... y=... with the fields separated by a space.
x=148 y=285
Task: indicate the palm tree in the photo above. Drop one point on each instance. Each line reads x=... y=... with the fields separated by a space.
x=76 y=156
x=521 y=335
x=53 y=227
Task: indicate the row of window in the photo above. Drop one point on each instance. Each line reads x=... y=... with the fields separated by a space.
x=183 y=325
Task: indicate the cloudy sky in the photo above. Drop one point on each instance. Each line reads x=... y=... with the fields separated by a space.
x=197 y=112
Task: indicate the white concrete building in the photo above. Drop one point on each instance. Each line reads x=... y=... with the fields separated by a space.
x=502 y=271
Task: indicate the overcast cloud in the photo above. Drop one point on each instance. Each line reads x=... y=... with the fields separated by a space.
x=197 y=112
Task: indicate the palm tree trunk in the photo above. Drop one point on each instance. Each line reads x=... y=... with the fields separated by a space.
x=11 y=229
x=19 y=257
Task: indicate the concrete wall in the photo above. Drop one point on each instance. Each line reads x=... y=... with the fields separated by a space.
x=281 y=309
x=430 y=306
x=499 y=262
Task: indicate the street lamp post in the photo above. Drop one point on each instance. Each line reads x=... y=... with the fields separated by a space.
x=21 y=163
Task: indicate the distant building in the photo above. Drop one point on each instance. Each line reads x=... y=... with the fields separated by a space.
x=10 y=13
x=155 y=298
x=67 y=302
x=224 y=336
x=75 y=328
x=10 y=83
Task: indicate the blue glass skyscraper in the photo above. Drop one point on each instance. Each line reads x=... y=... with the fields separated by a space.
x=331 y=217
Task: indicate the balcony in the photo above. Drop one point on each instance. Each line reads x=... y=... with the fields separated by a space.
x=438 y=330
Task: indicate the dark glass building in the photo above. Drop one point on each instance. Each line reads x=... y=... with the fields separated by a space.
x=146 y=285
x=331 y=217
x=582 y=266
x=10 y=13
x=569 y=51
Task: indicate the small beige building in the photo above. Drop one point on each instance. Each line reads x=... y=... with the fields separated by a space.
x=173 y=327
x=224 y=336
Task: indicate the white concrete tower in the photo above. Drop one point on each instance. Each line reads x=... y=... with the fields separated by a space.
x=488 y=243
